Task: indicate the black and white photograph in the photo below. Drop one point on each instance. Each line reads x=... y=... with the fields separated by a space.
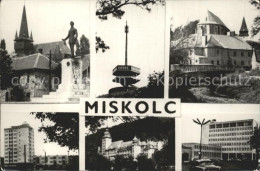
x=220 y=141
x=129 y=62
x=45 y=50
x=215 y=51
x=39 y=141
x=130 y=143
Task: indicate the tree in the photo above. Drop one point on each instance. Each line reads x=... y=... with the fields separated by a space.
x=180 y=36
x=100 y=44
x=114 y=7
x=256 y=24
x=64 y=128
x=84 y=45
x=143 y=163
x=6 y=70
x=255 y=141
x=126 y=163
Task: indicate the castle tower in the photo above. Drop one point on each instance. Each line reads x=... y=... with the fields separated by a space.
x=23 y=44
x=243 y=32
x=106 y=141
x=136 y=148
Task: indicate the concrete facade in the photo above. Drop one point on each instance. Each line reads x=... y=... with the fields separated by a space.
x=233 y=137
x=19 y=144
x=190 y=151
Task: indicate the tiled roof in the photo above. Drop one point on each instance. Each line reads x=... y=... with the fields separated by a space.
x=231 y=42
x=34 y=61
x=115 y=144
x=46 y=47
x=223 y=41
x=243 y=26
x=213 y=19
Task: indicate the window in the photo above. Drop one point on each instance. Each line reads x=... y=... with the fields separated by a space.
x=242 y=53
x=242 y=63
x=217 y=51
x=217 y=62
x=235 y=62
x=234 y=53
x=212 y=62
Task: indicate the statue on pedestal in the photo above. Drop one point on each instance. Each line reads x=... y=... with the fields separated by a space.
x=73 y=38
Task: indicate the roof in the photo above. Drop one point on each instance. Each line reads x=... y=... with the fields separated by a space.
x=221 y=41
x=213 y=19
x=46 y=47
x=24 y=26
x=243 y=26
x=256 y=46
x=115 y=144
x=34 y=61
x=231 y=42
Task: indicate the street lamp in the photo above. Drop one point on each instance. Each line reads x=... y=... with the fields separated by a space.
x=68 y=156
x=44 y=158
x=201 y=124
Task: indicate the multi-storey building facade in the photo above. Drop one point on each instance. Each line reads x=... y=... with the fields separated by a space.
x=215 y=45
x=19 y=144
x=190 y=151
x=233 y=137
x=52 y=160
x=132 y=148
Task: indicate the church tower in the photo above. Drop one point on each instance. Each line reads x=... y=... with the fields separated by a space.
x=243 y=32
x=23 y=44
x=106 y=141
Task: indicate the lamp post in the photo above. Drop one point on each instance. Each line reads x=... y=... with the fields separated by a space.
x=44 y=158
x=201 y=125
x=68 y=157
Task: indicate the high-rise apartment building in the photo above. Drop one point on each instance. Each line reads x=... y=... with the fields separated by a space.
x=19 y=144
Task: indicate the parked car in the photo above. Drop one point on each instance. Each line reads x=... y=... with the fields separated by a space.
x=204 y=165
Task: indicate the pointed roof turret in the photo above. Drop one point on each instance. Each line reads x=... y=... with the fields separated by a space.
x=243 y=29
x=16 y=36
x=31 y=36
x=107 y=134
x=24 y=26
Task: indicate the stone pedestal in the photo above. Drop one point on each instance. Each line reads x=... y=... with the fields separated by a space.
x=71 y=87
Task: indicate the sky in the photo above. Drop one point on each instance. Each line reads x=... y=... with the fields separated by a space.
x=9 y=119
x=48 y=20
x=145 y=45
x=189 y=136
x=231 y=12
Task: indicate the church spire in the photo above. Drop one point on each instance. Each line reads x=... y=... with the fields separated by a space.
x=16 y=36
x=31 y=36
x=24 y=26
x=243 y=29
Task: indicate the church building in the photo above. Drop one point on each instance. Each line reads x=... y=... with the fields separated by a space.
x=36 y=65
x=214 y=44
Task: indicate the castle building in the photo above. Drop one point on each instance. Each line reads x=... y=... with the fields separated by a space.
x=233 y=137
x=110 y=149
x=18 y=144
x=214 y=44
